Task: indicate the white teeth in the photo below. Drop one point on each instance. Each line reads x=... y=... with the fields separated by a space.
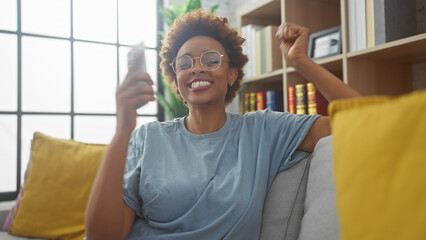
x=200 y=84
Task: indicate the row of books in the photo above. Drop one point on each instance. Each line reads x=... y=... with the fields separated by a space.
x=271 y=99
x=262 y=49
x=374 y=22
x=305 y=99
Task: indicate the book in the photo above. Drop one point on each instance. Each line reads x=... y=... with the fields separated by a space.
x=249 y=33
x=260 y=100
x=352 y=25
x=311 y=98
x=263 y=44
x=369 y=18
x=315 y=101
x=421 y=16
x=301 y=101
x=252 y=102
x=361 y=27
x=291 y=99
x=394 y=19
x=272 y=49
x=246 y=103
x=258 y=51
x=245 y=47
x=274 y=100
x=322 y=104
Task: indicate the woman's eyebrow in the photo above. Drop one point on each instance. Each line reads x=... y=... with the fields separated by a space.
x=189 y=54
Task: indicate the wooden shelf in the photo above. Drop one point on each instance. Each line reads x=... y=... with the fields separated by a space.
x=267 y=77
x=261 y=13
x=333 y=64
x=389 y=68
x=406 y=50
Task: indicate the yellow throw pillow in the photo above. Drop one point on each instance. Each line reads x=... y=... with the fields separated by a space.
x=57 y=188
x=379 y=151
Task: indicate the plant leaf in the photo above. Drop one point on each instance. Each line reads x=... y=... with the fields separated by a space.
x=164 y=104
x=213 y=9
x=168 y=15
x=161 y=34
x=178 y=109
x=193 y=5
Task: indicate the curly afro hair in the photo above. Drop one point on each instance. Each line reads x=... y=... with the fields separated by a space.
x=203 y=23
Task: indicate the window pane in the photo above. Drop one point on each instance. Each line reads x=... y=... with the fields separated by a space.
x=138 y=22
x=54 y=126
x=151 y=66
x=46 y=74
x=95 y=20
x=8 y=72
x=8 y=15
x=47 y=17
x=95 y=77
x=94 y=129
x=8 y=138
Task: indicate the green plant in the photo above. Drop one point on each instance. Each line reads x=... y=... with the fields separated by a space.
x=173 y=105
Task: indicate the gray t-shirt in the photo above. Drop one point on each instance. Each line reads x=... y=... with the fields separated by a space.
x=210 y=186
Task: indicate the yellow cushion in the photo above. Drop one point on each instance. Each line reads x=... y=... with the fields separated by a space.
x=379 y=149
x=57 y=188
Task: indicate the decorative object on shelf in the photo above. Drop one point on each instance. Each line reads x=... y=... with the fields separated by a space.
x=325 y=43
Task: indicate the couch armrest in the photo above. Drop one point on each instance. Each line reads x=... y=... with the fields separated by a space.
x=284 y=203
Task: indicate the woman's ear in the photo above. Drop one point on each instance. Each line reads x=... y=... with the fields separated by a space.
x=232 y=76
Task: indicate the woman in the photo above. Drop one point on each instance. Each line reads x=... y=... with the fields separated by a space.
x=204 y=176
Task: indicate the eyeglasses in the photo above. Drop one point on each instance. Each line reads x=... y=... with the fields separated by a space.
x=209 y=60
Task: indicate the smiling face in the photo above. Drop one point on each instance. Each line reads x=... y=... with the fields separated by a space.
x=198 y=86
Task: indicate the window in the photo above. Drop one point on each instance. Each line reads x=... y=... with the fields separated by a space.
x=60 y=64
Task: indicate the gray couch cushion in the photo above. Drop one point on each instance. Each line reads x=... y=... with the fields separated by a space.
x=283 y=208
x=3 y=216
x=5 y=208
x=5 y=236
x=320 y=219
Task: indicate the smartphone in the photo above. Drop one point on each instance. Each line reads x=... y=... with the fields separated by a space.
x=137 y=55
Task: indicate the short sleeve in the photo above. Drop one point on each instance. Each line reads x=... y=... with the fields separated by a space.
x=132 y=173
x=286 y=132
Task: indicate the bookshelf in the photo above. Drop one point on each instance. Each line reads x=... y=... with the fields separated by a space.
x=389 y=68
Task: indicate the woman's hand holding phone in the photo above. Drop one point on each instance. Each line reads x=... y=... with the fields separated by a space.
x=135 y=91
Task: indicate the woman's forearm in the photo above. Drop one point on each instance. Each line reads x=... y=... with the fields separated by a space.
x=105 y=208
x=331 y=87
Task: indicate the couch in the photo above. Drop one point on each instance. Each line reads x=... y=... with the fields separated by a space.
x=367 y=181
x=299 y=201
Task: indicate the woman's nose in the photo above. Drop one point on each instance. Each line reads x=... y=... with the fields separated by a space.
x=196 y=66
